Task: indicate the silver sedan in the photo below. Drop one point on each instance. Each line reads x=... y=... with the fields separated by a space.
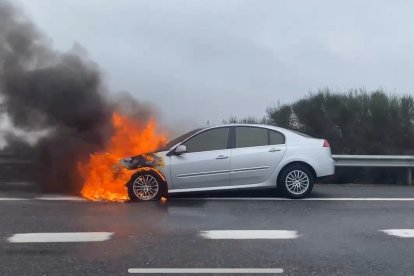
x=230 y=157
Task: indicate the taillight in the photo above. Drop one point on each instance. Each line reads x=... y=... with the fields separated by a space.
x=326 y=144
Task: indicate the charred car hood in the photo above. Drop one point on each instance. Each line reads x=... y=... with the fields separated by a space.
x=143 y=160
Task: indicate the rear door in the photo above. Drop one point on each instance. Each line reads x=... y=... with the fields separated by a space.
x=206 y=162
x=256 y=154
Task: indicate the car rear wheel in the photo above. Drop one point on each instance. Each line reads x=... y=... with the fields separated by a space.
x=296 y=181
x=145 y=187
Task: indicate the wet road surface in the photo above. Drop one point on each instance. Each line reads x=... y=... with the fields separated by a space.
x=339 y=231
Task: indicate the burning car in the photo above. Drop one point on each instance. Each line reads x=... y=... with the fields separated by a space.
x=228 y=157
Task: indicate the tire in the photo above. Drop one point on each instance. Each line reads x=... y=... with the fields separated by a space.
x=145 y=186
x=296 y=181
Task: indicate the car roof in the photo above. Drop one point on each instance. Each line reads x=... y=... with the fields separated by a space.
x=291 y=135
x=283 y=130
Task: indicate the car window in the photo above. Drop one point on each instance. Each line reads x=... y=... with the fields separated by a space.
x=214 y=139
x=250 y=137
x=276 y=138
x=177 y=140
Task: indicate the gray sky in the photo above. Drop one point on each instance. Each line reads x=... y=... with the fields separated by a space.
x=207 y=60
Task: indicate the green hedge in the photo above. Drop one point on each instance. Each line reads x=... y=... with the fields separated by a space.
x=355 y=122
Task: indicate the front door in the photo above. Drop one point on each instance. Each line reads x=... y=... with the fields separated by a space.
x=206 y=162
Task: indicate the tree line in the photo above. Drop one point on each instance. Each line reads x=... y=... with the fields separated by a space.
x=354 y=122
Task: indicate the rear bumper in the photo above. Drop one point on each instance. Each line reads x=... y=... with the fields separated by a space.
x=326 y=167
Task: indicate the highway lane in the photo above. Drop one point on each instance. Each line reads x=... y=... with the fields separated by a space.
x=335 y=237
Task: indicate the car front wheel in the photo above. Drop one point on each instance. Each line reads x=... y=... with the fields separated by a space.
x=144 y=187
x=296 y=181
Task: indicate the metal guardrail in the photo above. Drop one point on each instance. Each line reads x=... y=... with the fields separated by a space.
x=400 y=161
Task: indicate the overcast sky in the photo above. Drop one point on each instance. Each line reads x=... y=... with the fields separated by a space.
x=207 y=60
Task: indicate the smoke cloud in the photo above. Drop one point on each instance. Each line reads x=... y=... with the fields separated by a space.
x=55 y=105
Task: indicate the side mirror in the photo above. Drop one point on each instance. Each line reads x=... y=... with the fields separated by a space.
x=180 y=149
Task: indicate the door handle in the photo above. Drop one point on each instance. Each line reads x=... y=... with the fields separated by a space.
x=274 y=149
x=222 y=157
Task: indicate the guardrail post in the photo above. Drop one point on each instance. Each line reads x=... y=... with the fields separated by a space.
x=409 y=176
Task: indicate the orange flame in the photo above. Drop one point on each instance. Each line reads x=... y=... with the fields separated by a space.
x=104 y=178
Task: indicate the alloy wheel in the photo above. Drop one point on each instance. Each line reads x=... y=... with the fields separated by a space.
x=145 y=187
x=297 y=182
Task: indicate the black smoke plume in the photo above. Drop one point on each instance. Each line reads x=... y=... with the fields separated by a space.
x=59 y=93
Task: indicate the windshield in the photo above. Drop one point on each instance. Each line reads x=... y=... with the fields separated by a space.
x=177 y=140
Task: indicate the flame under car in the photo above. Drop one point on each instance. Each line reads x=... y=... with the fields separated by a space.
x=231 y=157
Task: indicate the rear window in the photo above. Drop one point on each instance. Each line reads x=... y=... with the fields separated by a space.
x=276 y=138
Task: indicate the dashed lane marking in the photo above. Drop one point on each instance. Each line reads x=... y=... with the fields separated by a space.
x=402 y=233
x=206 y=270
x=12 y=198
x=60 y=237
x=249 y=234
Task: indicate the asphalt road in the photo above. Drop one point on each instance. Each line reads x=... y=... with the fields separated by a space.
x=337 y=232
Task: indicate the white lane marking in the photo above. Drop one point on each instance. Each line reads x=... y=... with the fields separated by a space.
x=360 y=199
x=249 y=234
x=60 y=237
x=402 y=233
x=12 y=198
x=206 y=270
x=62 y=198
x=303 y=199
x=75 y=198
